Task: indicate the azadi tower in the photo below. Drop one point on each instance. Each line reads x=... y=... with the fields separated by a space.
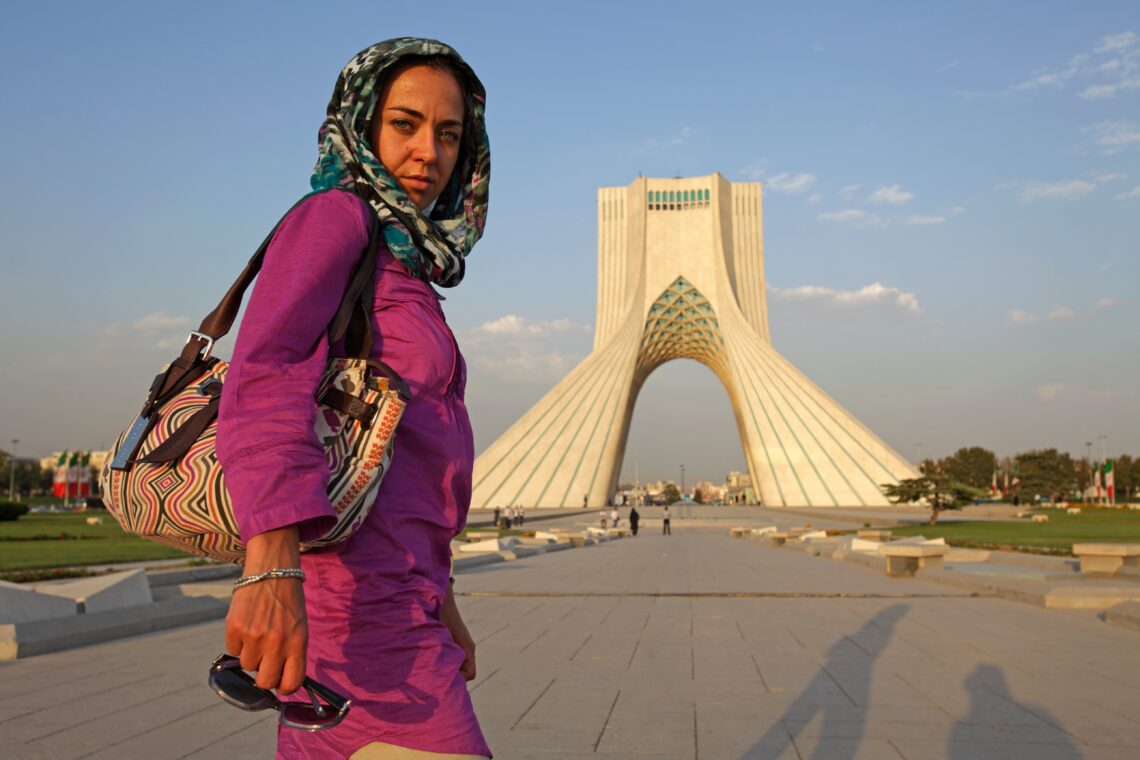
x=681 y=276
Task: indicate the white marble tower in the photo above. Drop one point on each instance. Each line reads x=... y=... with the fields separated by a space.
x=681 y=275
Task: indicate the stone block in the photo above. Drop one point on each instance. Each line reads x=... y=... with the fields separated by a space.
x=874 y=535
x=1040 y=518
x=1090 y=597
x=20 y=603
x=1107 y=558
x=738 y=532
x=103 y=592
x=906 y=560
x=490 y=545
x=1073 y=510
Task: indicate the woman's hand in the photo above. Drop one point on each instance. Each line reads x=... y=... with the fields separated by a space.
x=266 y=626
x=450 y=617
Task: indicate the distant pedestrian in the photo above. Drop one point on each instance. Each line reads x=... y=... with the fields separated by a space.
x=634 y=518
x=615 y=516
x=585 y=502
x=510 y=518
x=666 y=530
x=605 y=518
x=498 y=516
x=520 y=515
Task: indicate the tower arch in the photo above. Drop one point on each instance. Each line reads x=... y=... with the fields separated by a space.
x=676 y=280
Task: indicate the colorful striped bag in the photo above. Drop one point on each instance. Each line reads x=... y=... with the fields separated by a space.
x=162 y=479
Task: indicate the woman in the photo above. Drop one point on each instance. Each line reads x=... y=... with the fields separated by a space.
x=375 y=617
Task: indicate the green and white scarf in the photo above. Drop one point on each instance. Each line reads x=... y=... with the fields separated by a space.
x=432 y=246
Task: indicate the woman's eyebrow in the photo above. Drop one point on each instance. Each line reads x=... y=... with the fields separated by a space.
x=414 y=113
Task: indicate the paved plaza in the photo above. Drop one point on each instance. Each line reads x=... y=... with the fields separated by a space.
x=694 y=645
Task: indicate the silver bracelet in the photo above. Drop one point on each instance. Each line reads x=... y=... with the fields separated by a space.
x=277 y=572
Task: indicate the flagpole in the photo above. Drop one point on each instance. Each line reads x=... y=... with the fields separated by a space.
x=1103 y=460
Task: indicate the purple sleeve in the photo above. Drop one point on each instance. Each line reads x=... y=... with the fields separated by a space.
x=274 y=464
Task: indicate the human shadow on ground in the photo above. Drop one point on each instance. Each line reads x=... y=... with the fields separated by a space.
x=844 y=714
x=993 y=710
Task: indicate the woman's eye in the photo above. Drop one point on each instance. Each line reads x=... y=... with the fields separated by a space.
x=449 y=135
x=401 y=124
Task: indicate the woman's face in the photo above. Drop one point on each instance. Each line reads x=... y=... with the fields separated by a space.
x=417 y=128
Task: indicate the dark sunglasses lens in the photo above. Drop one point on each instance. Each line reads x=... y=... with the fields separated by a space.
x=239 y=690
x=303 y=715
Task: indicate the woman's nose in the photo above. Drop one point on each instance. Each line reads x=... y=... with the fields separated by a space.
x=424 y=147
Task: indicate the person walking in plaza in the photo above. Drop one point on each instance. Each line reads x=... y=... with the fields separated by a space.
x=604 y=516
x=498 y=513
x=404 y=151
x=615 y=516
x=520 y=515
x=510 y=520
x=634 y=519
x=665 y=528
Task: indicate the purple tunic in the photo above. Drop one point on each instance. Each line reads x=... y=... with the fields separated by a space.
x=374 y=601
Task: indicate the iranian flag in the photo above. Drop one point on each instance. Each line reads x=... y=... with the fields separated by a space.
x=1097 y=483
x=1109 y=482
x=993 y=484
x=59 y=481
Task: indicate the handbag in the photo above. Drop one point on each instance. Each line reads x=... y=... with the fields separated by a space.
x=162 y=479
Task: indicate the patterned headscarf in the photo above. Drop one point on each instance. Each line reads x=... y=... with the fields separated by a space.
x=431 y=246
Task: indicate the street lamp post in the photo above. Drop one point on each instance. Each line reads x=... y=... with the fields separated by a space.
x=682 y=482
x=12 y=470
x=1088 y=458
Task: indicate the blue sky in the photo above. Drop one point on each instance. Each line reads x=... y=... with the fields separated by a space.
x=952 y=200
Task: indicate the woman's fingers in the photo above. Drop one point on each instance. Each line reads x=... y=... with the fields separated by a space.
x=267 y=629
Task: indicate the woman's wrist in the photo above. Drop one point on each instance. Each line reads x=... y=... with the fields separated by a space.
x=279 y=548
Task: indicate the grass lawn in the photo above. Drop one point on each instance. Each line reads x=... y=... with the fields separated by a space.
x=56 y=540
x=1054 y=537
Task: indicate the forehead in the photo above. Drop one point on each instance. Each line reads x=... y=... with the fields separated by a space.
x=424 y=84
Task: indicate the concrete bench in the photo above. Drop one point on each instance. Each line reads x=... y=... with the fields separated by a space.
x=1073 y=510
x=739 y=532
x=780 y=537
x=617 y=533
x=480 y=535
x=1107 y=558
x=906 y=559
x=1040 y=518
x=874 y=535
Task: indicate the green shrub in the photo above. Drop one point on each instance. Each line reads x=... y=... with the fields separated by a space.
x=10 y=510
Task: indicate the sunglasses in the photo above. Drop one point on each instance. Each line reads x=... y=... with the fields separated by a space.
x=239 y=689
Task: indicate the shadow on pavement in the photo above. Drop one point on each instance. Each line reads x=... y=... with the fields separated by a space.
x=837 y=717
x=990 y=699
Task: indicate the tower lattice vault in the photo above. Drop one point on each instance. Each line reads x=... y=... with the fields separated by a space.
x=681 y=275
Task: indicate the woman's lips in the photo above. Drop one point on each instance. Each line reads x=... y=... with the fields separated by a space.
x=417 y=183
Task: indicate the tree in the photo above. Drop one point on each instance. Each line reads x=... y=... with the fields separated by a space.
x=1045 y=472
x=698 y=497
x=973 y=466
x=937 y=491
x=671 y=494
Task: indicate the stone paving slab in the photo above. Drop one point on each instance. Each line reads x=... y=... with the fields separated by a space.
x=694 y=645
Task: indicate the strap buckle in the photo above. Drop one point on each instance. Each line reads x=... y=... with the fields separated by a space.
x=209 y=342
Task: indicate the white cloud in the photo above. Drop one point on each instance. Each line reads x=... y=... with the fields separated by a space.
x=1108 y=69
x=848 y=191
x=1065 y=190
x=893 y=195
x=956 y=210
x=1019 y=317
x=679 y=138
x=157 y=321
x=1115 y=42
x=112 y=330
x=514 y=349
x=1102 y=304
x=1102 y=179
x=1133 y=193
x=785 y=182
x=512 y=324
x=918 y=219
x=1115 y=136
x=873 y=296
x=815 y=198
x=1059 y=313
x=846 y=215
x=755 y=170
x=1061 y=392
